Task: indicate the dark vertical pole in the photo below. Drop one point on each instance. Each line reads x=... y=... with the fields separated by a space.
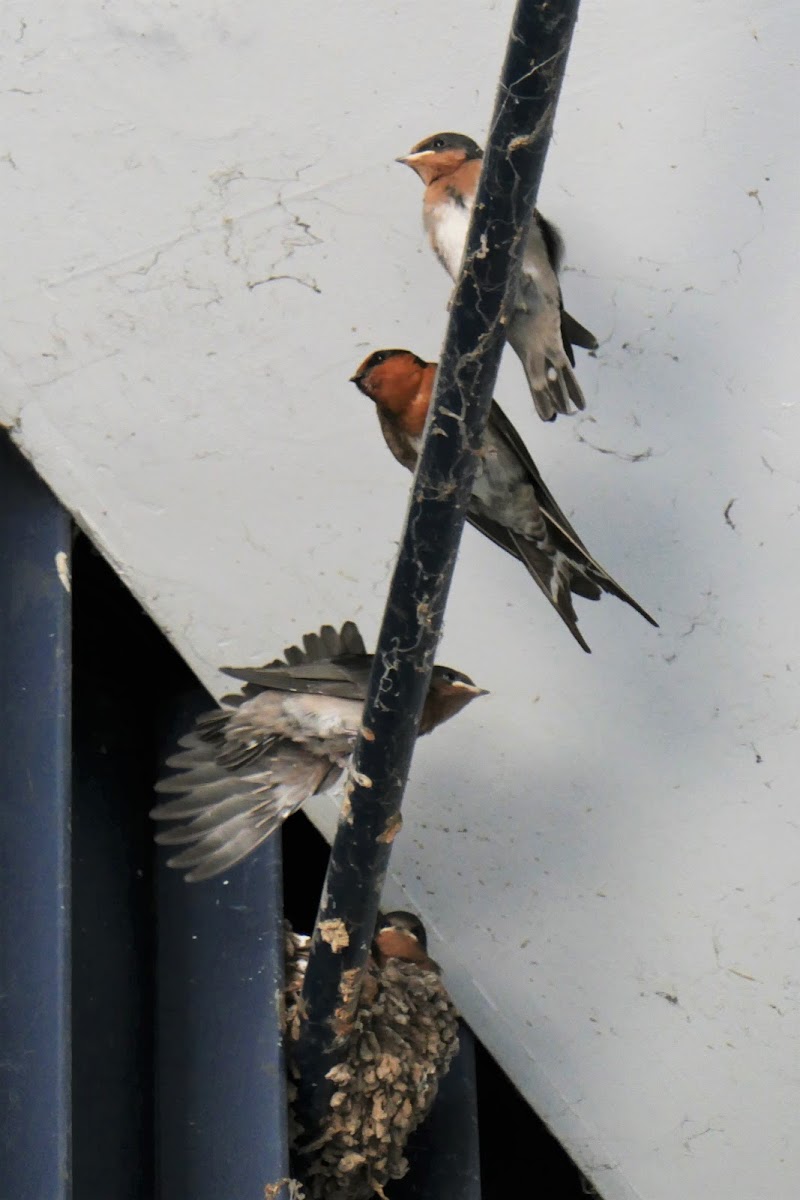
x=117 y=656
x=221 y=1106
x=528 y=91
x=444 y=1153
x=35 y=536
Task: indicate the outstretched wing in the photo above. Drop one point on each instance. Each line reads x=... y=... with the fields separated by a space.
x=223 y=813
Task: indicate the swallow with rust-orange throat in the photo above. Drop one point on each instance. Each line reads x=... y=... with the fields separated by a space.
x=540 y=332
x=511 y=504
x=252 y=762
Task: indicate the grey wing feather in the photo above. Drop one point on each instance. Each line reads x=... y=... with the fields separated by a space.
x=505 y=431
x=572 y=332
x=331 y=664
x=225 y=814
x=560 y=564
x=537 y=331
x=239 y=773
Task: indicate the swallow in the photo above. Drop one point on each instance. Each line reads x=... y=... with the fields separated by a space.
x=510 y=504
x=249 y=764
x=404 y=1038
x=540 y=332
x=401 y=935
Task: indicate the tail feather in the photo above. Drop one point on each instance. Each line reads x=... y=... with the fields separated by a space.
x=186 y=758
x=331 y=641
x=573 y=390
x=581 y=586
x=210 y=726
x=327 y=655
x=351 y=640
x=552 y=573
x=611 y=586
x=553 y=386
x=575 y=334
x=328 y=643
x=564 y=571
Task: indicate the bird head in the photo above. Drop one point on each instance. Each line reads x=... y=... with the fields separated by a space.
x=448 y=693
x=400 y=935
x=440 y=154
x=391 y=378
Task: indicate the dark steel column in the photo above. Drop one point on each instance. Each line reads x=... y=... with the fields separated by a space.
x=221 y=1090
x=35 y=537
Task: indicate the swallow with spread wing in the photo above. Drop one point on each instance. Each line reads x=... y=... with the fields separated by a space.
x=249 y=764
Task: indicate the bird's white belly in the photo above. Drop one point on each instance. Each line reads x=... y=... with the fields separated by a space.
x=447 y=226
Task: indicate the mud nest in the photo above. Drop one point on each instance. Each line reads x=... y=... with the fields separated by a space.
x=405 y=1035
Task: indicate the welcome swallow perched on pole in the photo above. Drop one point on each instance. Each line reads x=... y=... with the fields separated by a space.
x=511 y=504
x=540 y=332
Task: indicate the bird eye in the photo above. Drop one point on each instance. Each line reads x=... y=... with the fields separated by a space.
x=378 y=358
x=438 y=144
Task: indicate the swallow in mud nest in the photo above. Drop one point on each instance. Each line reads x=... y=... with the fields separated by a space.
x=250 y=763
x=404 y=1037
x=401 y=935
x=539 y=331
x=510 y=503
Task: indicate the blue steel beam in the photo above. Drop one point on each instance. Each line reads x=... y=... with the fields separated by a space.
x=221 y=1083
x=35 y=533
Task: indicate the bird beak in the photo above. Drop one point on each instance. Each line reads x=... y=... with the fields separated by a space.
x=411 y=160
x=358 y=380
x=471 y=688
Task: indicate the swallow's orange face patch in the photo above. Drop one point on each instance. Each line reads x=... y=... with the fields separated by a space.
x=392 y=382
x=397 y=943
x=436 y=164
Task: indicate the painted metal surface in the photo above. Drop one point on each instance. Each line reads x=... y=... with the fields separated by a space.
x=35 y=537
x=209 y=235
x=221 y=1079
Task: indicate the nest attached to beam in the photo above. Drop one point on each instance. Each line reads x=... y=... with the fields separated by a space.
x=405 y=1035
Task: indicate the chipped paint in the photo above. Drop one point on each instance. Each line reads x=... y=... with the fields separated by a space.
x=393 y=827
x=62 y=570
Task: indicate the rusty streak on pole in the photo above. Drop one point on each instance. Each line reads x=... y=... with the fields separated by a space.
x=523 y=118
